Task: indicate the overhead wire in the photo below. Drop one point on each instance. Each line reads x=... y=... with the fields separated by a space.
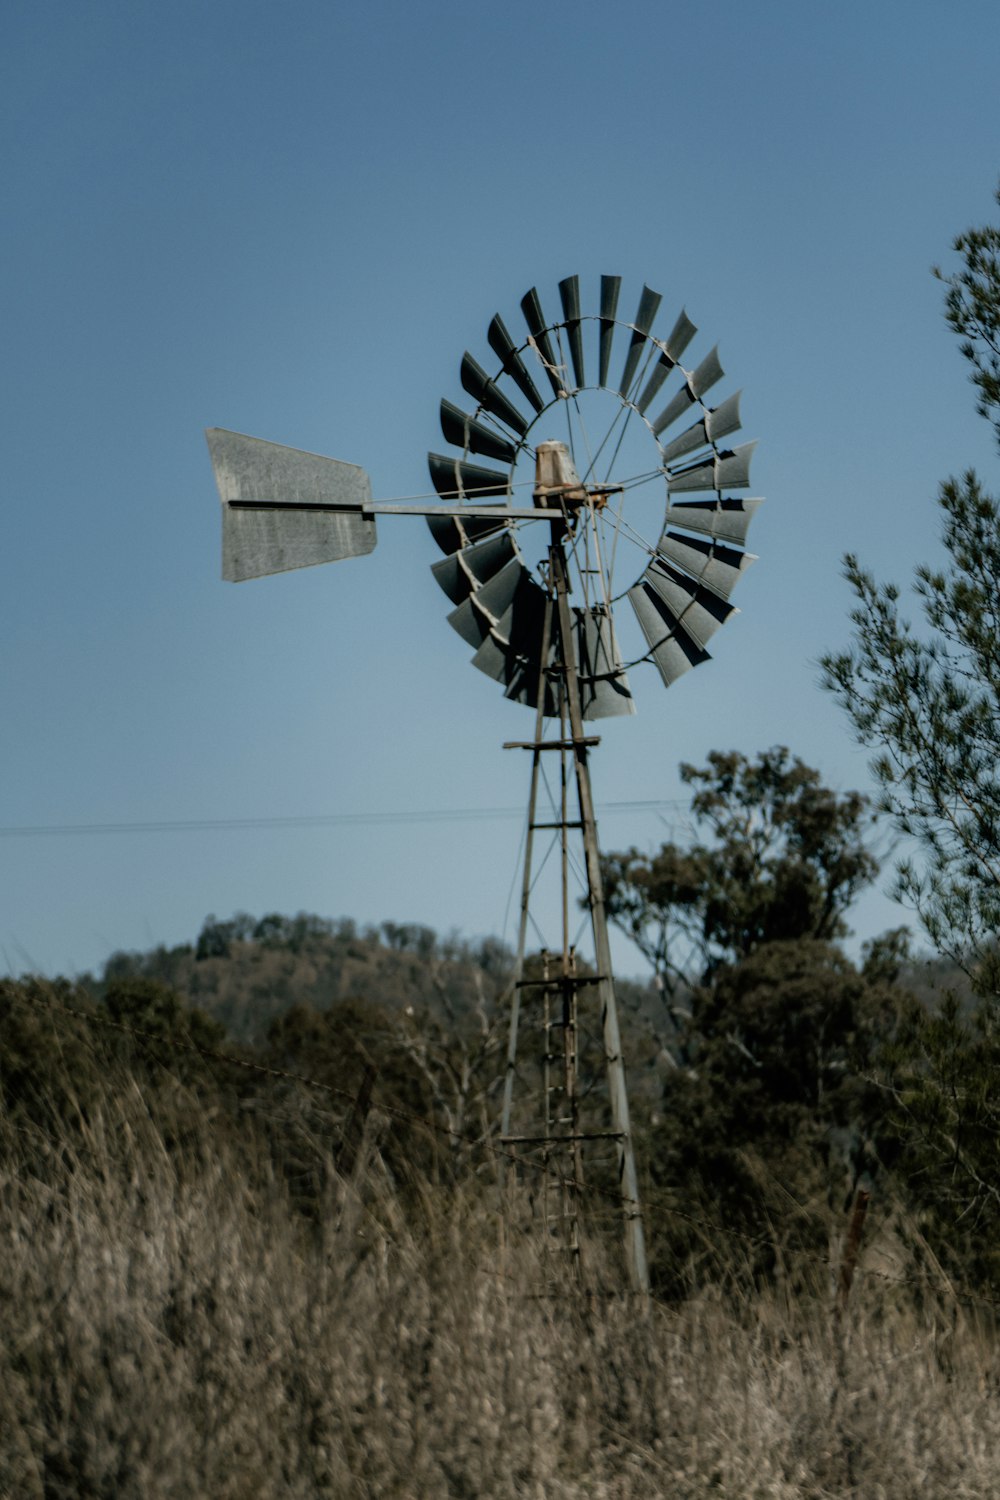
x=312 y=820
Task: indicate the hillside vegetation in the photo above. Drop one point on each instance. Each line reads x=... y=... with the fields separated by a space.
x=220 y=1281
x=261 y=1238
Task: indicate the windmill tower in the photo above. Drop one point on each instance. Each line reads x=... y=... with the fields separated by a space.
x=606 y=539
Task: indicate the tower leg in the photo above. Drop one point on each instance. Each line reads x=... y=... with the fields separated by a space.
x=635 y=1240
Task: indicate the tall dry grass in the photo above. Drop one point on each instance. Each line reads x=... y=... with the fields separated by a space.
x=173 y=1328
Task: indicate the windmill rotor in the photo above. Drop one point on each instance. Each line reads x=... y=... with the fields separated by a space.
x=648 y=487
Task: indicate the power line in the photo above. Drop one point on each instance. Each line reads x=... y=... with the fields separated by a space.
x=310 y=820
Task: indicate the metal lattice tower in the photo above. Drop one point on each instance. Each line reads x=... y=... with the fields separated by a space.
x=537 y=595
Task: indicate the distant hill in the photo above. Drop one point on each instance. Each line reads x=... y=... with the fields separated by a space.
x=247 y=972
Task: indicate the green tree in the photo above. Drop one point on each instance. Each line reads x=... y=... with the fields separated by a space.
x=780 y=857
x=927 y=700
x=762 y=1137
x=767 y=1117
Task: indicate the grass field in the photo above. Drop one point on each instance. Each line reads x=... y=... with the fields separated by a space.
x=173 y=1327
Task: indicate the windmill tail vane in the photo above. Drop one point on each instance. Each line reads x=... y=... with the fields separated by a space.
x=627 y=553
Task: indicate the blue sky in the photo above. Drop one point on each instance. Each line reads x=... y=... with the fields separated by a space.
x=291 y=220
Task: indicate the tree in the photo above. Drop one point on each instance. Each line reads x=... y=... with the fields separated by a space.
x=783 y=859
x=766 y=1115
x=928 y=700
x=774 y=1121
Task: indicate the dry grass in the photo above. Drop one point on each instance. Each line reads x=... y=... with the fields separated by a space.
x=170 y=1332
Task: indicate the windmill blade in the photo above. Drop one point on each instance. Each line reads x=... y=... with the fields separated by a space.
x=649 y=303
x=506 y=351
x=698 y=610
x=604 y=688
x=680 y=336
x=708 y=373
x=452 y=534
x=495 y=659
x=256 y=543
x=725 y=471
x=477 y=616
x=678 y=407
x=658 y=375
x=522 y=622
x=569 y=292
x=471 y=624
x=474 y=437
x=519 y=633
x=610 y=287
x=521 y=677
x=728 y=520
x=523 y=682
x=482 y=389
x=671 y=647
x=466 y=569
x=496 y=595
x=454 y=479
x=678 y=339
x=538 y=328
x=711 y=563
x=717 y=423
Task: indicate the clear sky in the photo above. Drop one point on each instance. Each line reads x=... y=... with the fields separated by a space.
x=291 y=219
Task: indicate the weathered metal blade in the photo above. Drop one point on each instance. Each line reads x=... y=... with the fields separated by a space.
x=708 y=373
x=496 y=595
x=465 y=432
x=712 y=563
x=256 y=543
x=470 y=622
x=725 y=471
x=728 y=519
x=519 y=633
x=538 y=328
x=680 y=336
x=520 y=677
x=657 y=376
x=495 y=659
x=485 y=560
x=610 y=287
x=506 y=351
x=523 y=685
x=724 y=418
x=698 y=609
x=649 y=303
x=569 y=291
x=462 y=573
x=455 y=479
x=689 y=441
x=451 y=534
x=671 y=647
x=521 y=623
x=720 y=421
x=604 y=689
x=697 y=383
x=678 y=406
x=482 y=389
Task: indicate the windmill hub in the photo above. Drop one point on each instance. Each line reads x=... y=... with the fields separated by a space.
x=557 y=484
x=559 y=487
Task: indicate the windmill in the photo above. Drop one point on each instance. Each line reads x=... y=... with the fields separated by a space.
x=607 y=543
